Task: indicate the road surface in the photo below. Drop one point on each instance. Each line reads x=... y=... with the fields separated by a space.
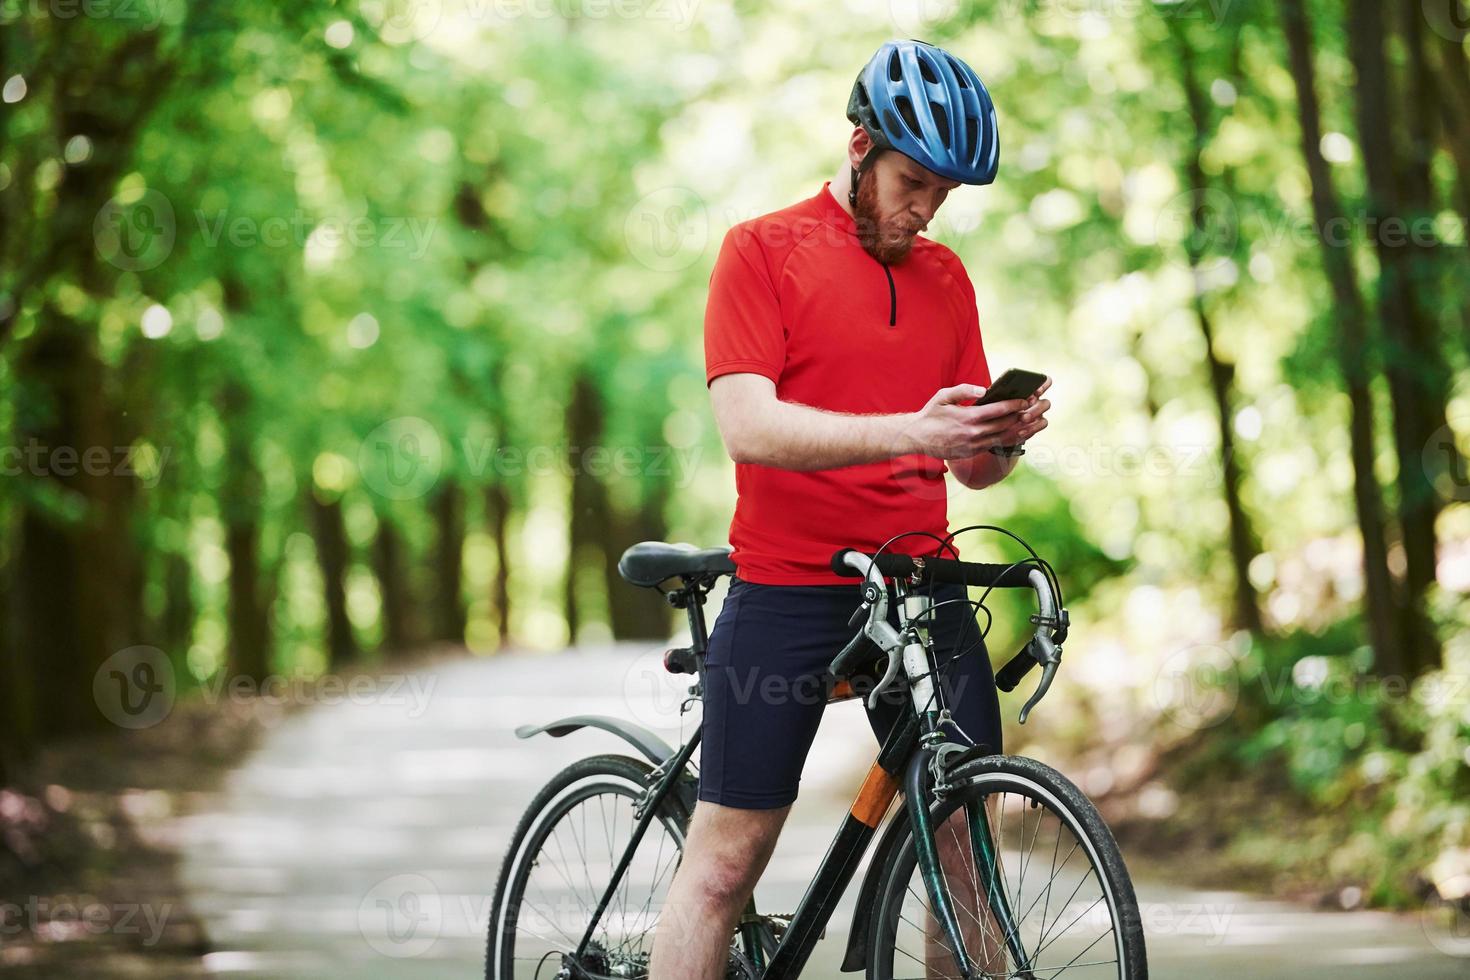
x=363 y=837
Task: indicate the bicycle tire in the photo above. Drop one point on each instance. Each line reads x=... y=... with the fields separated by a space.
x=1035 y=781
x=539 y=818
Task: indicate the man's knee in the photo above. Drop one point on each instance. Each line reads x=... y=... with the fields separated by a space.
x=728 y=849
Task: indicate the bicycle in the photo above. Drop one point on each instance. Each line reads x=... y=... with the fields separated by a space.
x=545 y=924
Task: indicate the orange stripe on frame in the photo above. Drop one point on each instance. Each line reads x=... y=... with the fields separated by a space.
x=872 y=801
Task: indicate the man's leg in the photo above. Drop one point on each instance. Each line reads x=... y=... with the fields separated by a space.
x=966 y=890
x=724 y=855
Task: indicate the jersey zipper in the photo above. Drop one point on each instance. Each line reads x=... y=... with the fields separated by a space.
x=892 y=296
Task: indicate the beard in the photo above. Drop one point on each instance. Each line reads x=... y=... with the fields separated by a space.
x=888 y=241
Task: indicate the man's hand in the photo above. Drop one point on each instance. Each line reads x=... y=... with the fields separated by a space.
x=985 y=469
x=1030 y=420
x=950 y=429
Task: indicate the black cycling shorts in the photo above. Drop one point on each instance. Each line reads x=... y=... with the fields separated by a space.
x=765 y=684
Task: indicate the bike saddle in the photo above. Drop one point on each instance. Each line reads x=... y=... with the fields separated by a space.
x=648 y=563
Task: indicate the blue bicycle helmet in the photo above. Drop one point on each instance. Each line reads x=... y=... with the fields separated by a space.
x=931 y=107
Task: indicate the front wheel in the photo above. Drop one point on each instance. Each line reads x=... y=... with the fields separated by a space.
x=1034 y=875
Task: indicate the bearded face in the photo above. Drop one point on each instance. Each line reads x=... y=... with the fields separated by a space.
x=896 y=199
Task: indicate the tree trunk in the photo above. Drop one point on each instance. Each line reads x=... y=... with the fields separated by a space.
x=637 y=614
x=1415 y=385
x=247 y=615
x=448 y=604
x=1353 y=352
x=17 y=721
x=1246 y=611
x=588 y=518
x=177 y=625
x=332 y=556
x=393 y=584
x=69 y=598
x=497 y=510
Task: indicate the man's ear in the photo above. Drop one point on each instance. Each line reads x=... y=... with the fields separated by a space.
x=858 y=145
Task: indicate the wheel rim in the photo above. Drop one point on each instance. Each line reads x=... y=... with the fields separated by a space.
x=1063 y=906
x=562 y=871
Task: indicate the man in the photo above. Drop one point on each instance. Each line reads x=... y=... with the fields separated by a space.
x=843 y=353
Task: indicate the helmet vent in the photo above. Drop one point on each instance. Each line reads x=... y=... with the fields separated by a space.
x=862 y=94
x=941 y=119
x=890 y=121
x=906 y=110
x=928 y=72
x=895 y=74
x=972 y=134
x=959 y=75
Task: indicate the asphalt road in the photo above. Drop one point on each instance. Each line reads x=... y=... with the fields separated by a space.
x=363 y=837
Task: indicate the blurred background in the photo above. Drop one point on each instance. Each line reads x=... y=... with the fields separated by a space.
x=344 y=346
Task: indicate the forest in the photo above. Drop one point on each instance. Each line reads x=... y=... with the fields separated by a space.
x=334 y=332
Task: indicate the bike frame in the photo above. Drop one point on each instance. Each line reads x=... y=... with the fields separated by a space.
x=904 y=760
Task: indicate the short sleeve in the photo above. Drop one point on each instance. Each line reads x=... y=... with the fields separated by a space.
x=742 y=317
x=971 y=366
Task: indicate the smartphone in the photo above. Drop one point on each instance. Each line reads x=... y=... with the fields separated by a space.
x=1014 y=384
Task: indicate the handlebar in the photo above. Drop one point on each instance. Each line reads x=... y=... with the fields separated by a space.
x=945 y=570
x=878 y=637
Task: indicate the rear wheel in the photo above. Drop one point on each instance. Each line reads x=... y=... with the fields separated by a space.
x=1060 y=905
x=560 y=862
x=561 y=859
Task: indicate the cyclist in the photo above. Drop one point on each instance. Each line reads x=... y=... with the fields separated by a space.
x=843 y=352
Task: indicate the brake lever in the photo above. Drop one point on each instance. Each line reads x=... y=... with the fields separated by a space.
x=889 y=673
x=1050 y=657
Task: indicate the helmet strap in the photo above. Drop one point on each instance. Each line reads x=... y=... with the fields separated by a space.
x=867 y=161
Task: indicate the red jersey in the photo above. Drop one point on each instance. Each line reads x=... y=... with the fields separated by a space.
x=796 y=298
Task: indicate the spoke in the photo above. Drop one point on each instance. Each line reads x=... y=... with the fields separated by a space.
x=1054 y=851
x=1053 y=939
x=1062 y=911
x=551 y=919
x=1054 y=873
x=1021 y=884
x=1000 y=867
x=1084 y=949
x=554 y=838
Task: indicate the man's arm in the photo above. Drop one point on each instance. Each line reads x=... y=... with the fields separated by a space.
x=758 y=427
